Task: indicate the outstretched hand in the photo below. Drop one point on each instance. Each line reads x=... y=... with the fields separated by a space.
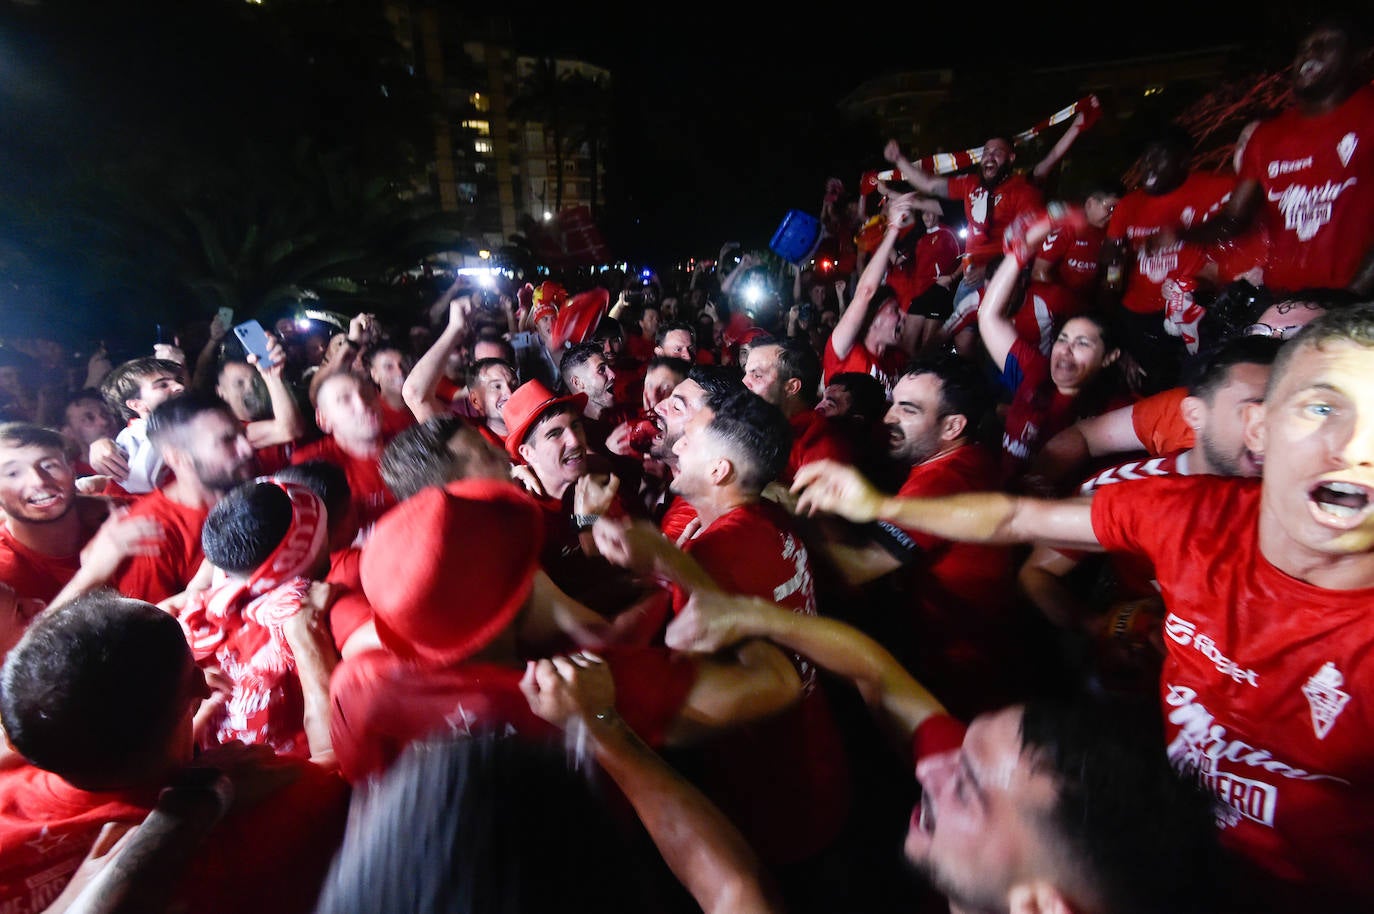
x=836 y=488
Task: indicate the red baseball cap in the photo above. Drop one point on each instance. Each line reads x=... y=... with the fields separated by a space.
x=449 y=568
x=527 y=403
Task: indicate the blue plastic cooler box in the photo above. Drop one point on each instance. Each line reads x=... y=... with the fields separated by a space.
x=797 y=236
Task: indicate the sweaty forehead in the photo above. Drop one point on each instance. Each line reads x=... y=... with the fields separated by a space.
x=692 y=394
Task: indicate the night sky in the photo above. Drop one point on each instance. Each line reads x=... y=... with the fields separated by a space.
x=724 y=119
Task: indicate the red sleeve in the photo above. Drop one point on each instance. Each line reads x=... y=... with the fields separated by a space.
x=1056 y=245
x=350 y=612
x=1159 y=423
x=651 y=686
x=1121 y=513
x=1121 y=218
x=960 y=185
x=936 y=734
x=947 y=254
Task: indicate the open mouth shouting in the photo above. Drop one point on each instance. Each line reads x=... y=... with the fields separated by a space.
x=1340 y=505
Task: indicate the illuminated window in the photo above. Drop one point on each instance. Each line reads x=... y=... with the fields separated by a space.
x=483 y=128
x=482 y=146
x=479 y=101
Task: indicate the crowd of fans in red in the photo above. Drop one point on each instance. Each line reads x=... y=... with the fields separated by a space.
x=1081 y=509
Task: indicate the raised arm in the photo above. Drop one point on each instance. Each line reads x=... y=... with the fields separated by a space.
x=988 y=517
x=917 y=177
x=703 y=849
x=851 y=323
x=420 y=385
x=286 y=424
x=312 y=646
x=1061 y=149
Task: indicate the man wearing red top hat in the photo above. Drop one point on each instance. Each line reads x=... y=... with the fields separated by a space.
x=547 y=438
x=451 y=574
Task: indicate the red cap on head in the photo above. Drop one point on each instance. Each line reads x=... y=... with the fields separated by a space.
x=527 y=403
x=447 y=569
x=548 y=298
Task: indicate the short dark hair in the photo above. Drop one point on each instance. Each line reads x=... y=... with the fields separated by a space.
x=758 y=433
x=796 y=359
x=716 y=380
x=475 y=370
x=327 y=480
x=124 y=381
x=867 y=398
x=1354 y=324
x=1141 y=836
x=575 y=357
x=26 y=434
x=556 y=409
x=462 y=825
x=372 y=354
x=249 y=522
x=90 y=692
x=493 y=335
x=680 y=367
x=171 y=416
x=1208 y=372
x=87 y=395
x=420 y=456
x=665 y=329
x=963 y=389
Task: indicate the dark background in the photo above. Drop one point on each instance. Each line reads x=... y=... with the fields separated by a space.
x=159 y=158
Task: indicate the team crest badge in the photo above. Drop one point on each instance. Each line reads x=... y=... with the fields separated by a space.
x=1325 y=698
x=1346 y=147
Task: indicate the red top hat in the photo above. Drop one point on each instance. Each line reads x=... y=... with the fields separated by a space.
x=447 y=569
x=527 y=403
x=578 y=318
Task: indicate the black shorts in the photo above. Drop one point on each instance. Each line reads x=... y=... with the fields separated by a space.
x=936 y=303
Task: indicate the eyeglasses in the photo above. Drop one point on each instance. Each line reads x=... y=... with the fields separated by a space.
x=1282 y=333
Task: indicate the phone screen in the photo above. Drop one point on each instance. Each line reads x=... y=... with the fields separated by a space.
x=254 y=340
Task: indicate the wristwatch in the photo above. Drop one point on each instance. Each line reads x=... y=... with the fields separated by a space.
x=582 y=522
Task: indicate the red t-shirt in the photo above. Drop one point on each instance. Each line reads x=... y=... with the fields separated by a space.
x=1044 y=311
x=1140 y=216
x=371 y=498
x=1266 y=685
x=350 y=610
x=1074 y=254
x=675 y=519
x=639 y=347
x=394 y=421
x=859 y=359
x=783 y=781
x=157 y=577
x=382 y=704
x=33 y=575
x=1317 y=175
x=1159 y=423
x=1010 y=199
x=271 y=857
x=962 y=597
x=814 y=437
x=936 y=254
